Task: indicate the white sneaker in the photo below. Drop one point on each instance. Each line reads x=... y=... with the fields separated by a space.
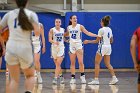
x=61 y=80
x=72 y=81
x=35 y=73
x=54 y=81
x=83 y=80
x=39 y=78
x=94 y=82
x=113 y=81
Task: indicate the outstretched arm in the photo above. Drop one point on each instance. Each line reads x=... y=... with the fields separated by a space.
x=87 y=32
x=66 y=34
x=92 y=41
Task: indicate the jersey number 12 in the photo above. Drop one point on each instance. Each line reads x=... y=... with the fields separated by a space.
x=73 y=36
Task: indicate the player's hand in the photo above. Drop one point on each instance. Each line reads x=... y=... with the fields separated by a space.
x=3 y=53
x=67 y=41
x=56 y=43
x=43 y=50
x=137 y=67
x=86 y=41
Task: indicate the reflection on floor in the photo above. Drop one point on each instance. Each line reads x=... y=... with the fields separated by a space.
x=127 y=84
x=73 y=89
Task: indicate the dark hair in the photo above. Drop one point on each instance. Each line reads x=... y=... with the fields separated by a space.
x=24 y=22
x=57 y=19
x=106 y=20
x=70 y=23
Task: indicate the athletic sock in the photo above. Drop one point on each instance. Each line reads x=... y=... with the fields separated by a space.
x=61 y=75
x=82 y=74
x=28 y=92
x=73 y=76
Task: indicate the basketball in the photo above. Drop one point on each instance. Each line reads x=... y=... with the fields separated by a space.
x=5 y=34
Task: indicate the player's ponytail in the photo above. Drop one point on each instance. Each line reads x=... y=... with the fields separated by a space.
x=70 y=23
x=24 y=22
x=106 y=20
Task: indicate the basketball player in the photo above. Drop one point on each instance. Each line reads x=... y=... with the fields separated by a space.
x=74 y=31
x=19 y=54
x=5 y=35
x=105 y=38
x=56 y=38
x=36 y=40
x=2 y=49
x=135 y=42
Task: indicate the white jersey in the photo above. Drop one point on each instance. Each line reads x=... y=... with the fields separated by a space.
x=36 y=40
x=75 y=34
x=105 y=33
x=18 y=47
x=11 y=20
x=58 y=36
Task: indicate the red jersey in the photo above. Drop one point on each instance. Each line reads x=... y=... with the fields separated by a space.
x=137 y=33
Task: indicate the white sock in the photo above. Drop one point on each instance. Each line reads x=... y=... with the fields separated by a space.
x=38 y=73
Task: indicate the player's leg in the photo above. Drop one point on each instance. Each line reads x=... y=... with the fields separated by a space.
x=37 y=66
x=30 y=78
x=14 y=78
x=72 y=67
x=79 y=54
x=98 y=59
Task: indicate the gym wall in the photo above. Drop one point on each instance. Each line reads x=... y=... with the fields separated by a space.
x=123 y=25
